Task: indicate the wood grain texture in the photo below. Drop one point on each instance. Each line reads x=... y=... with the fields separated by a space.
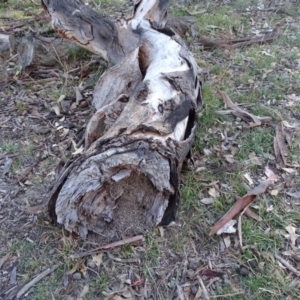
x=127 y=180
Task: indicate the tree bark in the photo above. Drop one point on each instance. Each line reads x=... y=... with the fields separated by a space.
x=35 y=50
x=4 y=47
x=127 y=180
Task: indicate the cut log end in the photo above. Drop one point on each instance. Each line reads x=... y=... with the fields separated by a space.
x=132 y=207
x=121 y=191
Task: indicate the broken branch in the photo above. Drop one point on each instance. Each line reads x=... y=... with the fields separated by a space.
x=210 y=43
x=128 y=176
x=110 y=246
x=246 y=116
x=34 y=281
x=288 y=265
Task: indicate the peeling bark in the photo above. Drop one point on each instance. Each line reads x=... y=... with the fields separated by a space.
x=127 y=180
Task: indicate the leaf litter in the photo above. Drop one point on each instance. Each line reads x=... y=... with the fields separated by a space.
x=243 y=202
x=39 y=103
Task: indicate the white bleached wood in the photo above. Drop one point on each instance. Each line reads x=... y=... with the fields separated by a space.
x=127 y=180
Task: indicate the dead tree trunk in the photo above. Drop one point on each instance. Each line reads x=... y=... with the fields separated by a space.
x=127 y=180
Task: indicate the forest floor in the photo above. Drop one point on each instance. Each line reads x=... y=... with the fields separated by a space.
x=41 y=122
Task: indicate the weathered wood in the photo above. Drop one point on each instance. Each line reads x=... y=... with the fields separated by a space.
x=181 y=24
x=79 y=23
x=127 y=180
x=38 y=50
x=35 y=50
x=4 y=47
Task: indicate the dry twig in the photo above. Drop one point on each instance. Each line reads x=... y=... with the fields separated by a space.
x=124 y=260
x=288 y=265
x=37 y=279
x=246 y=116
x=209 y=43
x=280 y=147
x=126 y=241
x=205 y=292
x=227 y=295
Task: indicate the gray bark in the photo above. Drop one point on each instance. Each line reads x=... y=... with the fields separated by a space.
x=4 y=47
x=127 y=180
x=35 y=50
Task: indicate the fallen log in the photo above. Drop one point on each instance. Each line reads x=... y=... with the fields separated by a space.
x=127 y=179
x=35 y=50
x=47 y=49
x=39 y=50
x=32 y=45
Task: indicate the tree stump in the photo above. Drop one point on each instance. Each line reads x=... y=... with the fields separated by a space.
x=127 y=180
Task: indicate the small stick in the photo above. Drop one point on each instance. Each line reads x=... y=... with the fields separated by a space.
x=236 y=108
x=37 y=279
x=240 y=227
x=268 y=291
x=205 y=292
x=109 y=246
x=127 y=260
x=227 y=295
x=288 y=265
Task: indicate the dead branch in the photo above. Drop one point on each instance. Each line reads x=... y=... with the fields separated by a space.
x=127 y=179
x=288 y=265
x=34 y=281
x=110 y=246
x=210 y=43
x=246 y=116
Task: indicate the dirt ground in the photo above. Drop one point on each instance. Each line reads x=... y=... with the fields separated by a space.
x=42 y=122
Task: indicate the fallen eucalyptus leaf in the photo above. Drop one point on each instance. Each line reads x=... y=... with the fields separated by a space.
x=244 y=202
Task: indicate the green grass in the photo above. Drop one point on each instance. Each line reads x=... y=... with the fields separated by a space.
x=260 y=78
x=99 y=285
x=126 y=251
x=79 y=53
x=258 y=140
x=215 y=21
x=153 y=252
x=20 y=106
x=19 y=9
x=10 y=146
